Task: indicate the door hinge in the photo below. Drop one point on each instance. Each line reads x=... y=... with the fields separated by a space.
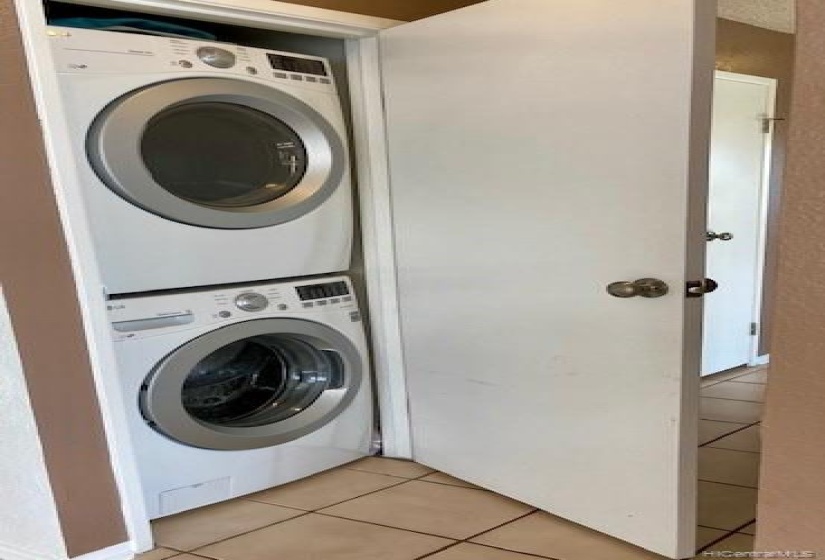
x=754 y=329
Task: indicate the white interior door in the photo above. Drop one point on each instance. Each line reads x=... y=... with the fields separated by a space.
x=736 y=214
x=539 y=151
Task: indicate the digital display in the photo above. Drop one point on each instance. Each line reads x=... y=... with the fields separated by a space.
x=295 y=64
x=321 y=291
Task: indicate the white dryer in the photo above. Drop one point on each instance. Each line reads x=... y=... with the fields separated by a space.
x=205 y=163
x=237 y=389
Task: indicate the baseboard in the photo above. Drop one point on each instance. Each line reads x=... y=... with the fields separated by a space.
x=12 y=553
x=122 y=551
x=760 y=360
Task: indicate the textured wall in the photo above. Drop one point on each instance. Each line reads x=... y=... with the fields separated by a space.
x=28 y=518
x=761 y=52
x=773 y=14
x=792 y=492
x=38 y=283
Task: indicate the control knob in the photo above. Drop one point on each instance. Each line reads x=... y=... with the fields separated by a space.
x=251 y=302
x=219 y=58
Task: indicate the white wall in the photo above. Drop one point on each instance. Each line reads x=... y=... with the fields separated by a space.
x=29 y=527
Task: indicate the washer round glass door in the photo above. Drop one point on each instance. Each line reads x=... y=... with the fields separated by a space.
x=253 y=384
x=217 y=152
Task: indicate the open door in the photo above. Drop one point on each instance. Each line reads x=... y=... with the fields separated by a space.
x=737 y=209
x=541 y=150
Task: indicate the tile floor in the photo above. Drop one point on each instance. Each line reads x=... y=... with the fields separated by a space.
x=384 y=509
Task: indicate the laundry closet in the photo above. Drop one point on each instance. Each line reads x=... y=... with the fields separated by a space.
x=462 y=191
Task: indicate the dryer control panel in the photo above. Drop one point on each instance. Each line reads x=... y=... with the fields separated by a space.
x=141 y=316
x=91 y=51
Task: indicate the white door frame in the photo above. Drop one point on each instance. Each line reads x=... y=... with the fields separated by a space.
x=764 y=201
x=360 y=34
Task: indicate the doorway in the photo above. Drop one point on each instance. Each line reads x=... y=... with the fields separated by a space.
x=740 y=164
x=754 y=64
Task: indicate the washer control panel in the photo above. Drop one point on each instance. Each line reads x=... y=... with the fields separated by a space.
x=216 y=57
x=251 y=301
x=92 y=51
x=141 y=316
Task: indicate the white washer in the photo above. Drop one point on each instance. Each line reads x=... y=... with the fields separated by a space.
x=237 y=389
x=204 y=163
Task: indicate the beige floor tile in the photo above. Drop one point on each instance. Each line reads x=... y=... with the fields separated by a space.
x=706 y=535
x=469 y=551
x=327 y=488
x=436 y=509
x=196 y=528
x=442 y=478
x=749 y=530
x=712 y=429
x=727 y=410
x=318 y=537
x=392 y=467
x=748 y=439
x=546 y=535
x=754 y=392
x=157 y=554
x=721 y=377
x=722 y=506
x=734 y=543
x=759 y=376
x=729 y=467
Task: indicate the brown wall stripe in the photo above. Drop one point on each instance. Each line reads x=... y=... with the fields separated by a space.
x=39 y=286
x=792 y=493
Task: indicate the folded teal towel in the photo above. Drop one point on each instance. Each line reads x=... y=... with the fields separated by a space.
x=136 y=25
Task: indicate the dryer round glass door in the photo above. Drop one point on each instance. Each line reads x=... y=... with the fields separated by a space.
x=217 y=152
x=252 y=384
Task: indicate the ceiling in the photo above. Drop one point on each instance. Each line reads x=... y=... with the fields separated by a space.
x=778 y=15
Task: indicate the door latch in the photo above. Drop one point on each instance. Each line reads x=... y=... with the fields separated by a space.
x=698 y=288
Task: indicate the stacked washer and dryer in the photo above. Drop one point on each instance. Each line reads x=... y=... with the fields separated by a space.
x=215 y=177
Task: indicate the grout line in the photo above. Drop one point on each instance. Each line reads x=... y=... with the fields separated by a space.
x=725 y=536
x=303 y=514
x=724 y=399
x=403 y=481
x=468 y=541
x=715 y=541
x=729 y=483
x=514 y=551
x=730 y=399
x=437 y=551
x=531 y=512
x=745 y=525
x=455 y=540
x=728 y=375
x=723 y=436
x=736 y=450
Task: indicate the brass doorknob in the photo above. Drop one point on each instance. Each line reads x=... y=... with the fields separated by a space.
x=644 y=287
x=724 y=236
